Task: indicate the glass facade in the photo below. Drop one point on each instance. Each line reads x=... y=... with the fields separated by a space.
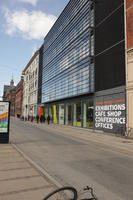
x=46 y=112
x=51 y=113
x=68 y=68
x=78 y=113
x=61 y=114
x=88 y=114
x=68 y=119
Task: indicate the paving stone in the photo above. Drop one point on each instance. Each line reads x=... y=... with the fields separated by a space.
x=5 y=146
x=19 y=180
x=20 y=173
x=7 y=155
x=7 y=150
x=11 y=166
x=38 y=194
x=13 y=159
x=14 y=186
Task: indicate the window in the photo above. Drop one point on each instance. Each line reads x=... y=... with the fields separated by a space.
x=36 y=71
x=35 y=83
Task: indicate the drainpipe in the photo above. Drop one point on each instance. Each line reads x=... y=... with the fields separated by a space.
x=126 y=65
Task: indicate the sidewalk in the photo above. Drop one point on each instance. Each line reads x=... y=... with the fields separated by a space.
x=110 y=140
x=20 y=180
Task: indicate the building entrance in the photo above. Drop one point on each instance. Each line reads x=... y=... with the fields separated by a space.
x=88 y=110
x=78 y=112
x=51 y=113
x=61 y=114
x=69 y=114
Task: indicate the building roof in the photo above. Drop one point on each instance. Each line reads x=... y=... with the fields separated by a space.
x=6 y=89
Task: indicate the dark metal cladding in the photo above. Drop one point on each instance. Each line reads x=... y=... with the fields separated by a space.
x=109 y=44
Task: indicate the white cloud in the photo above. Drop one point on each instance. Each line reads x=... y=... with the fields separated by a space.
x=32 y=25
x=32 y=2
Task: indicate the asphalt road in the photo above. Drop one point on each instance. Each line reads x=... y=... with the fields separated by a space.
x=77 y=162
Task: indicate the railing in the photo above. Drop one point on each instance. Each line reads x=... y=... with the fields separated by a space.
x=129 y=132
x=124 y=132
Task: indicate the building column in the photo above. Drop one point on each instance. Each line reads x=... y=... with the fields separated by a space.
x=130 y=91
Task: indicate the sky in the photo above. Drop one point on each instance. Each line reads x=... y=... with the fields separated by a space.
x=23 y=26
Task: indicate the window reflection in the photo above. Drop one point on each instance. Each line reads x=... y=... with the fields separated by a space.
x=88 y=114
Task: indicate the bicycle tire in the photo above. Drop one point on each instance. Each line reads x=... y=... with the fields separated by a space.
x=63 y=189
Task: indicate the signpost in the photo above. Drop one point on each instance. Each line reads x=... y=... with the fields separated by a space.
x=4 y=121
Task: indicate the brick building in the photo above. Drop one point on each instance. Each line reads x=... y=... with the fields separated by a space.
x=129 y=33
x=6 y=92
x=9 y=94
x=12 y=96
x=129 y=11
x=19 y=98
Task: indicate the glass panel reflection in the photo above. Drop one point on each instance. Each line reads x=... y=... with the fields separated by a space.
x=88 y=114
x=69 y=114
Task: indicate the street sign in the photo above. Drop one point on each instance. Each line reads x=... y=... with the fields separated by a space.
x=4 y=121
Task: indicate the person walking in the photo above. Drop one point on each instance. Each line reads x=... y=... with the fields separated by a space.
x=44 y=119
x=41 y=118
x=48 y=119
x=32 y=118
x=37 y=119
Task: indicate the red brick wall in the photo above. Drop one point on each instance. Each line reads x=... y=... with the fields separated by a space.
x=129 y=23
x=12 y=100
x=19 y=99
x=18 y=103
x=129 y=3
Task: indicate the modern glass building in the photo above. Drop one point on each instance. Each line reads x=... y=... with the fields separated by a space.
x=83 y=75
x=68 y=66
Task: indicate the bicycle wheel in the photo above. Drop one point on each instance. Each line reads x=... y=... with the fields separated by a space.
x=64 y=193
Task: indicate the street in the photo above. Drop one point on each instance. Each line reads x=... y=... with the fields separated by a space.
x=77 y=161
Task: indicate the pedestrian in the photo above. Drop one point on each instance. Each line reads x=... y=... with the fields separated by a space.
x=41 y=118
x=48 y=119
x=44 y=119
x=32 y=118
x=37 y=119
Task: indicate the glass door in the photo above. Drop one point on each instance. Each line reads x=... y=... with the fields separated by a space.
x=61 y=114
x=69 y=114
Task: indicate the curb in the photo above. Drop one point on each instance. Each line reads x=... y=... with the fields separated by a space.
x=41 y=170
